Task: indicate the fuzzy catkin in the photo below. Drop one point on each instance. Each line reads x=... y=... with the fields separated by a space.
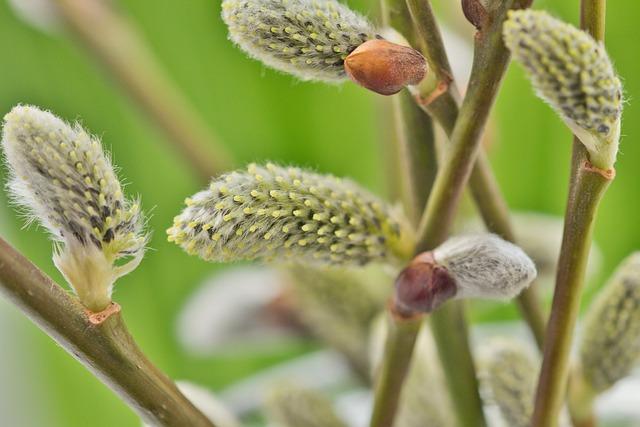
x=309 y=39
x=573 y=73
x=610 y=345
x=511 y=376
x=485 y=266
x=289 y=405
x=62 y=177
x=338 y=305
x=288 y=214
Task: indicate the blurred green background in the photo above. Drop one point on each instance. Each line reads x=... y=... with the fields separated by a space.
x=259 y=114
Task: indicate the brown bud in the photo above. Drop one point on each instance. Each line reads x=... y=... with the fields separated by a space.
x=475 y=12
x=385 y=67
x=423 y=286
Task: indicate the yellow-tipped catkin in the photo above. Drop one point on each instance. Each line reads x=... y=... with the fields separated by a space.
x=307 y=38
x=63 y=178
x=610 y=345
x=292 y=406
x=573 y=73
x=288 y=214
x=511 y=376
x=338 y=305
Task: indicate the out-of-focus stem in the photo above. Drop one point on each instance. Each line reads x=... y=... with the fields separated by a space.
x=105 y=348
x=586 y=189
x=416 y=154
x=125 y=56
x=399 y=344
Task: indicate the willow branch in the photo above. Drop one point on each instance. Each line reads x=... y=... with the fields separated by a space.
x=125 y=56
x=484 y=187
x=586 y=189
x=401 y=335
x=103 y=346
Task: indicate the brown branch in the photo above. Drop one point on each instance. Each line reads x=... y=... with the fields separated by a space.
x=101 y=343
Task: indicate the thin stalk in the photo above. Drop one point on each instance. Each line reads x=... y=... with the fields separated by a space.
x=484 y=187
x=417 y=165
x=586 y=189
x=106 y=348
x=416 y=154
x=489 y=65
x=121 y=50
x=399 y=343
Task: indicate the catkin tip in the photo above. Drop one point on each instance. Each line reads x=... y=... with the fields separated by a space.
x=61 y=177
x=573 y=73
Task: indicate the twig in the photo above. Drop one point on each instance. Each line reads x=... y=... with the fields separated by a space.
x=484 y=187
x=118 y=46
x=417 y=154
x=586 y=188
x=101 y=343
x=401 y=335
x=489 y=66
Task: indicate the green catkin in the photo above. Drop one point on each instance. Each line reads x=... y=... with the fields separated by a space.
x=288 y=214
x=63 y=178
x=292 y=406
x=610 y=345
x=573 y=73
x=309 y=39
x=338 y=305
x=511 y=377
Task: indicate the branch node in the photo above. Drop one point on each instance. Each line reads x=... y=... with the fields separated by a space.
x=608 y=174
x=98 y=318
x=441 y=88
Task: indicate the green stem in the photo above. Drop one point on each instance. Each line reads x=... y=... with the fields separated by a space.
x=399 y=343
x=417 y=160
x=484 y=187
x=121 y=50
x=106 y=348
x=586 y=189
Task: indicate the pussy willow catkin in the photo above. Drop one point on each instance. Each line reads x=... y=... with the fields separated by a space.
x=292 y=406
x=610 y=345
x=485 y=266
x=307 y=38
x=337 y=305
x=573 y=73
x=511 y=376
x=467 y=266
x=63 y=178
x=288 y=214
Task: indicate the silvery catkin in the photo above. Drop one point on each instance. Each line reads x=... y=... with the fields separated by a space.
x=63 y=178
x=288 y=214
x=467 y=266
x=307 y=38
x=289 y=405
x=485 y=266
x=610 y=345
x=573 y=73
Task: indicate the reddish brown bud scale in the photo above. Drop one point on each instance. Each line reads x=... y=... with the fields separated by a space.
x=385 y=67
x=423 y=286
x=475 y=12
